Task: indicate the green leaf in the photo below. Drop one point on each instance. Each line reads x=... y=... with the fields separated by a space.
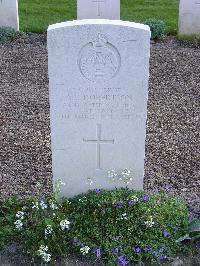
x=195 y=238
x=194 y=226
x=48 y=221
x=183 y=238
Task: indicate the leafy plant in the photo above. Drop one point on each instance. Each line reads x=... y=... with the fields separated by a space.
x=158 y=28
x=118 y=226
x=193 y=231
x=7 y=33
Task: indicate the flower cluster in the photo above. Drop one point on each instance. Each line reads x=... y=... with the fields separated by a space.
x=75 y=241
x=64 y=224
x=85 y=250
x=166 y=234
x=118 y=226
x=124 y=175
x=48 y=230
x=20 y=214
x=53 y=205
x=98 y=191
x=83 y=199
x=18 y=223
x=134 y=198
x=98 y=253
x=89 y=181
x=35 y=205
x=43 y=205
x=157 y=254
x=122 y=261
x=124 y=216
x=120 y=204
x=150 y=222
x=57 y=187
x=43 y=253
x=112 y=174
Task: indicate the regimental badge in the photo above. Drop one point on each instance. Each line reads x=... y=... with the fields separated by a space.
x=99 y=60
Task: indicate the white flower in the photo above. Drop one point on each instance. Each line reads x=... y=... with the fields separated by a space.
x=126 y=176
x=43 y=205
x=48 y=230
x=124 y=216
x=46 y=257
x=62 y=183
x=42 y=251
x=35 y=205
x=149 y=223
x=64 y=224
x=126 y=173
x=122 y=175
x=112 y=174
x=89 y=181
x=53 y=205
x=20 y=215
x=18 y=224
x=85 y=250
x=59 y=183
x=134 y=198
x=83 y=199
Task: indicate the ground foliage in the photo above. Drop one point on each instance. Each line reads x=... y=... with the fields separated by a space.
x=117 y=227
x=7 y=34
x=158 y=28
x=37 y=15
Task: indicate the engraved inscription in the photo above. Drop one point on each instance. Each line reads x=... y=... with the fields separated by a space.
x=99 y=60
x=99 y=2
x=97 y=103
x=98 y=141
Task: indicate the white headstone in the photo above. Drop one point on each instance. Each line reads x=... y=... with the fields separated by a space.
x=189 y=17
x=9 y=14
x=98 y=9
x=98 y=72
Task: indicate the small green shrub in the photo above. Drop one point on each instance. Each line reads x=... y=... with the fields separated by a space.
x=119 y=227
x=158 y=28
x=7 y=33
x=193 y=232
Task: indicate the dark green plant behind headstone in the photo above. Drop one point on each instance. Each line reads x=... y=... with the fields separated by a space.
x=158 y=28
x=7 y=33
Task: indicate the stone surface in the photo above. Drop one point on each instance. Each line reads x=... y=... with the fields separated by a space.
x=98 y=71
x=9 y=14
x=98 y=9
x=189 y=17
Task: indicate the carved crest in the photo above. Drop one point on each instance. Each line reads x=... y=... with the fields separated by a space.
x=99 y=60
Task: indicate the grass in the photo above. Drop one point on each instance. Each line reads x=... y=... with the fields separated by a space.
x=36 y=15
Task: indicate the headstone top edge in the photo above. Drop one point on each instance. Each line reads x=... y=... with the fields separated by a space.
x=98 y=22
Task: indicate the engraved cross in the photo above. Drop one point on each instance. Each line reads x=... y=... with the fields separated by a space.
x=99 y=2
x=98 y=141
